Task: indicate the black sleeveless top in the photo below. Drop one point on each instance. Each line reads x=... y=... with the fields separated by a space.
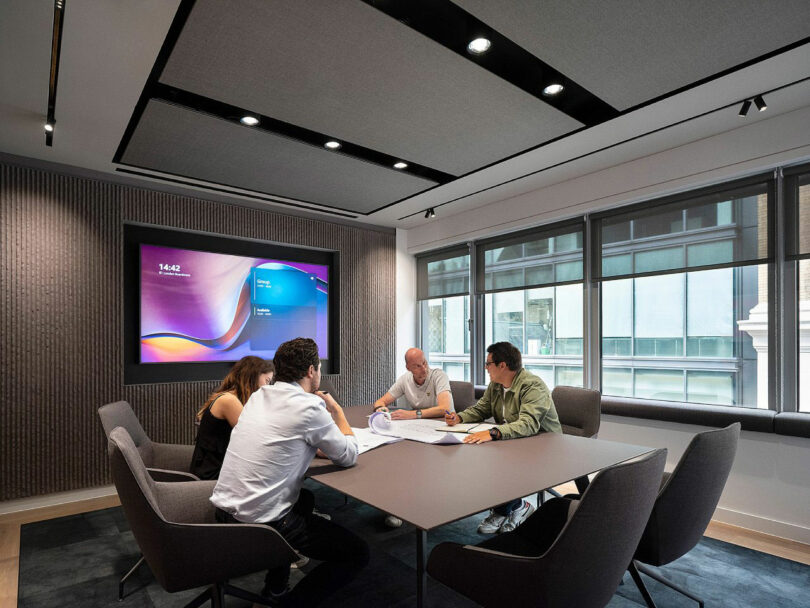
x=212 y=441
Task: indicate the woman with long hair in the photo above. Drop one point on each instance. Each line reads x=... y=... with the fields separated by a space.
x=219 y=413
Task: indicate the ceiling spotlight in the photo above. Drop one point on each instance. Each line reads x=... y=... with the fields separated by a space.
x=478 y=46
x=400 y=165
x=746 y=105
x=553 y=89
x=49 y=127
x=332 y=145
x=250 y=121
x=759 y=102
x=430 y=213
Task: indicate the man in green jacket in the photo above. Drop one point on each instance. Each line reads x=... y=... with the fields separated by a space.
x=521 y=405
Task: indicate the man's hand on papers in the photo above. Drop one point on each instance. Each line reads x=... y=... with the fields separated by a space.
x=480 y=437
x=451 y=418
x=403 y=415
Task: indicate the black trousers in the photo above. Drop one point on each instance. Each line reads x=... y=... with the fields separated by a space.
x=342 y=553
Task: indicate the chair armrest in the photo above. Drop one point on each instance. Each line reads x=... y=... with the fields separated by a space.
x=474 y=572
x=172 y=456
x=186 y=502
x=166 y=475
x=194 y=555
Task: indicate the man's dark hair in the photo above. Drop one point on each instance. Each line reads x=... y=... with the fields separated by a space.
x=294 y=357
x=503 y=352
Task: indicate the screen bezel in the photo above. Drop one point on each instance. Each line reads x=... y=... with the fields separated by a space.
x=136 y=235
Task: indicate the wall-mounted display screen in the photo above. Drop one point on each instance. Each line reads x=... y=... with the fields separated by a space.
x=195 y=303
x=203 y=306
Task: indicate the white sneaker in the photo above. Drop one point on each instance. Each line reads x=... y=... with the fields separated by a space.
x=517 y=517
x=492 y=523
x=392 y=522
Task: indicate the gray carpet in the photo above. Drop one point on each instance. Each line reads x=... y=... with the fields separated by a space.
x=77 y=561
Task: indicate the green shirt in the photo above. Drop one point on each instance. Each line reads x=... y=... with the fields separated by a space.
x=522 y=410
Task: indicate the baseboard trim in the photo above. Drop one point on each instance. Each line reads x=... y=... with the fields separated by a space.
x=781 y=529
x=49 y=506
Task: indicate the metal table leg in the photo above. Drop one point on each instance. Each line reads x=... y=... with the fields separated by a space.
x=421 y=576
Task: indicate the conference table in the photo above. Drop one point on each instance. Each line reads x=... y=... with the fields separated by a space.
x=433 y=485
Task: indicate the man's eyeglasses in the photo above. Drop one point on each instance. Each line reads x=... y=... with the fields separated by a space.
x=488 y=363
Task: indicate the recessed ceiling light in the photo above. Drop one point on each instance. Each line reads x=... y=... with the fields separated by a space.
x=332 y=145
x=400 y=165
x=250 y=121
x=553 y=89
x=479 y=45
x=49 y=127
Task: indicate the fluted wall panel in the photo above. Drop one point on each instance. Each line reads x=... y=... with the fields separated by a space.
x=61 y=280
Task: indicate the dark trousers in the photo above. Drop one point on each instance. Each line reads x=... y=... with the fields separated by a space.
x=342 y=553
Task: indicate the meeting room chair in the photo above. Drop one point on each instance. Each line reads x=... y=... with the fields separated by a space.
x=327 y=386
x=164 y=461
x=581 y=565
x=685 y=505
x=463 y=394
x=580 y=413
x=174 y=526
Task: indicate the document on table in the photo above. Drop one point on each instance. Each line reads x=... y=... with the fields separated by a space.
x=368 y=439
x=467 y=427
x=415 y=430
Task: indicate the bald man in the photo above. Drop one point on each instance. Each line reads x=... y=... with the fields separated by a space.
x=427 y=391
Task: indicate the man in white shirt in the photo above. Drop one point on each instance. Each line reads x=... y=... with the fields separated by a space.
x=427 y=393
x=277 y=435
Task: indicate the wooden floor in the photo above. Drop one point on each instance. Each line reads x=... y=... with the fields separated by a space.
x=10 y=539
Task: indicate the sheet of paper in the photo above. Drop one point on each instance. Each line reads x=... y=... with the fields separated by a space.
x=423 y=431
x=466 y=427
x=368 y=439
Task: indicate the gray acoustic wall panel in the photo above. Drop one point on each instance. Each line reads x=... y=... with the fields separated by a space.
x=348 y=70
x=177 y=140
x=631 y=51
x=61 y=282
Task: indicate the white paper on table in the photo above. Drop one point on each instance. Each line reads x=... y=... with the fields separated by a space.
x=368 y=439
x=423 y=431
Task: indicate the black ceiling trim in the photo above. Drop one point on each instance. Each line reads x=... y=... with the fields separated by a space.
x=587 y=154
x=225 y=111
x=56 y=54
x=269 y=199
x=178 y=23
x=453 y=27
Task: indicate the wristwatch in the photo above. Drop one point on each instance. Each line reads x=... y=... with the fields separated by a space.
x=418 y=413
x=494 y=433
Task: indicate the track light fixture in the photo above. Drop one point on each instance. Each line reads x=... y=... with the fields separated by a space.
x=758 y=101
x=430 y=213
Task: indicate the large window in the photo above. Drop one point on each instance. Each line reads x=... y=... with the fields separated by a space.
x=532 y=288
x=798 y=252
x=684 y=300
x=443 y=284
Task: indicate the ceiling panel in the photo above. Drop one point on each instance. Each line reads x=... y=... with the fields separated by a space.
x=349 y=71
x=175 y=140
x=632 y=51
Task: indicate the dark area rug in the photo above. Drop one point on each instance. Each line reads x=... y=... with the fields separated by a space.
x=78 y=560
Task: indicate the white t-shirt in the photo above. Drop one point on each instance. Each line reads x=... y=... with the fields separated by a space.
x=271 y=447
x=426 y=395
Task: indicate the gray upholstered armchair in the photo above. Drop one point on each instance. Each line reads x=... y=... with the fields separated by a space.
x=174 y=526
x=165 y=461
x=685 y=505
x=580 y=566
x=463 y=394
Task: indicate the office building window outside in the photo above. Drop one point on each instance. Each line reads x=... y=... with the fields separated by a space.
x=683 y=301
x=545 y=324
x=446 y=337
x=804 y=335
